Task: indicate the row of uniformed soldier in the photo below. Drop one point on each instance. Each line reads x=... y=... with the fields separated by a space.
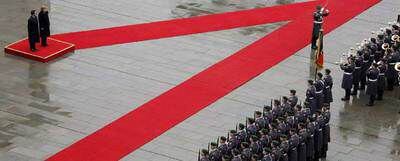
x=284 y=131
x=319 y=92
x=372 y=65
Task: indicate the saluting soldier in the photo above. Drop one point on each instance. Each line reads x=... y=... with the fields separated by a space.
x=381 y=80
x=44 y=24
x=347 y=80
x=33 y=31
x=319 y=15
x=328 y=86
x=319 y=89
x=372 y=85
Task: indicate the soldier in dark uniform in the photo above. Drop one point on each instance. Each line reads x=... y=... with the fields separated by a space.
x=293 y=144
x=391 y=73
x=310 y=140
x=328 y=86
x=215 y=154
x=365 y=65
x=236 y=155
x=242 y=134
x=381 y=80
x=325 y=131
x=319 y=90
x=293 y=99
x=223 y=146
x=372 y=84
x=302 y=148
x=265 y=140
x=246 y=151
x=255 y=145
x=318 y=137
x=33 y=31
x=251 y=129
x=319 y=15
x=347 y=80
x=357 y=72
x=267 y=155
x=44 y=25
x=284 y=148
x=311 y=96
x=233 y=142
x=261 y=122
x=204 y=155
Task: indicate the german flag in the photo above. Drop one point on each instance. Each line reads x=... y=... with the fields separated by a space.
x=319 y=53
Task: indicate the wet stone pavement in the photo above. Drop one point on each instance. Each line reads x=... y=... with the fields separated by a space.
x=46 y=107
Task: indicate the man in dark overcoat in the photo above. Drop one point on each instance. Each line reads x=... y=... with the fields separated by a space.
x=33 y=31
x=44 y=25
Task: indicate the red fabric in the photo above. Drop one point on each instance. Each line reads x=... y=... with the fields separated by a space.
x=43 y=54
x=153 y=118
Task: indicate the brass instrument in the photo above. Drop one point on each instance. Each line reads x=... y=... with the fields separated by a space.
x=397 y=66
x=385 y=46
x=396 y=38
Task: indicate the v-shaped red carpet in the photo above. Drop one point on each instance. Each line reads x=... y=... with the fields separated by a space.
x=140 y=126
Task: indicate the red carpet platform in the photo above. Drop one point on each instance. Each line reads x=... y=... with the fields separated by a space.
x=55 y=49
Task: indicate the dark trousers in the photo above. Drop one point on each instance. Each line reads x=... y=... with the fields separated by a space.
x=390 y=84
x=347 y=93
x=363 y=81
x=371 y=99
x=355 y=88
x=32 y=44
x=380 y=94
x=44 y=40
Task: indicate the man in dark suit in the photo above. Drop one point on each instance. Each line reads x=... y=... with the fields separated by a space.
x=33 y=31
x=44 y=24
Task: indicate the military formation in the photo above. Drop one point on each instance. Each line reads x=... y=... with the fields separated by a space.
x=285 y=130
x=374 y=65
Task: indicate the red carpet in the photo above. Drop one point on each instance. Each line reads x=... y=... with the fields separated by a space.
x=139 y=126
x=55 y=49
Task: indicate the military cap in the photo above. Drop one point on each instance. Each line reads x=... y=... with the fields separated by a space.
x=204 y=151
x=213 y=144
x=223 y=138
x=241 y=126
